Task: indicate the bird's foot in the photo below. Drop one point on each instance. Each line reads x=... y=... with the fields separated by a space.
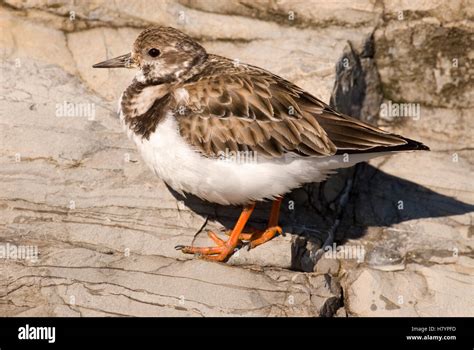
x=264 y=236
x=246 y=236
x=220 y=252
x=257 y=237
x=224 y=249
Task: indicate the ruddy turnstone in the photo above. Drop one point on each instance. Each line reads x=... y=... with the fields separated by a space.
x=187 y=109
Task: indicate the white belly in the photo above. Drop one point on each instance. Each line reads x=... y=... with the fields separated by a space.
x=229 y=182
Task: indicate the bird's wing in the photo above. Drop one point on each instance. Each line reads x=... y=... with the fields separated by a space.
x=261 y=112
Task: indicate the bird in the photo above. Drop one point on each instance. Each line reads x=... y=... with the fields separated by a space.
x=234 y=134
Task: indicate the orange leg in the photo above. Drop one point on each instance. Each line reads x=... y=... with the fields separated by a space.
x=224 y=249
x=272 y=230
x=258 y=237
x=275 y=212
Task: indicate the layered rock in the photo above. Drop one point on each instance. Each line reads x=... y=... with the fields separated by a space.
x=105 y=227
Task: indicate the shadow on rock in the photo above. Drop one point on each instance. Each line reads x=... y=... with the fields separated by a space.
x=381 y=199
x=310 y=213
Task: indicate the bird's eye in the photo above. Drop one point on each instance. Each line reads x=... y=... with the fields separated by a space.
x=154 y=52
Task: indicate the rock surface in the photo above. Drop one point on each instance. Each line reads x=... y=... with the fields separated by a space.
x=74 y=187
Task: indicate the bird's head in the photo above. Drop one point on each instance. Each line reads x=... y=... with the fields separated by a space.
x=163 y=55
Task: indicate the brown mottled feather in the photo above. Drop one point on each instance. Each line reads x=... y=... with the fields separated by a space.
x=250 y=109
x=245 y=108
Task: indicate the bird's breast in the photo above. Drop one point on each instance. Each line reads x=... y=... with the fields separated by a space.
x=137 y=99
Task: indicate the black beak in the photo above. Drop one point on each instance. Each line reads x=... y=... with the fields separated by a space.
x=123 y=61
